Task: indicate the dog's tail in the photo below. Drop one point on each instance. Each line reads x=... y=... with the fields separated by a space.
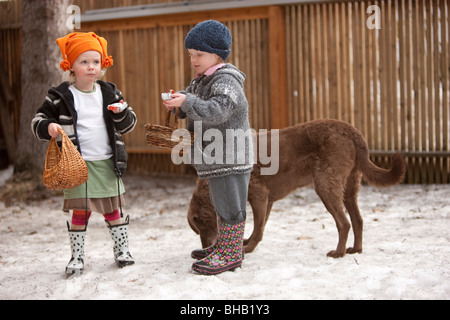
x=377 y=176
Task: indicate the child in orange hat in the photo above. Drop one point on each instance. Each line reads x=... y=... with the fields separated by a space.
x=80 y=108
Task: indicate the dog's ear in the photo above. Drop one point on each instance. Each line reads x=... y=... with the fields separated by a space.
x=193 y=225
x=193 y=215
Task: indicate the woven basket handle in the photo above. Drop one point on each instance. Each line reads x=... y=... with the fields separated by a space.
x=52 y=148
x=53 y=145
x=64 y=136
x=175 y=125
x=65 y=140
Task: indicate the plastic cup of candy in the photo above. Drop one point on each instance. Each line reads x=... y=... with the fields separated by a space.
x=167 y=95
x=118 y=106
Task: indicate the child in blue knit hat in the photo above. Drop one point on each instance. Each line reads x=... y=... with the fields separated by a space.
x=215 y=99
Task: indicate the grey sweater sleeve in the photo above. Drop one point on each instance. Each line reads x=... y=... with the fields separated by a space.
x=220 y=105
x=214 y=111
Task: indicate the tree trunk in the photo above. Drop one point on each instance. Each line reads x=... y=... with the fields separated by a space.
x=43 y=22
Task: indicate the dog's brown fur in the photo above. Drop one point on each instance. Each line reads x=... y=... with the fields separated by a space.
x=329 y=154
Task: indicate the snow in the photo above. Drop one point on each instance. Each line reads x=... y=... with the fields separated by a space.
x=406 y=249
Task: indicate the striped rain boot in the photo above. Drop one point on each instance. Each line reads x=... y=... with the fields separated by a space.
x=228 y=254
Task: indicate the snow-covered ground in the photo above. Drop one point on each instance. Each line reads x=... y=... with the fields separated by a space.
x=406 y=249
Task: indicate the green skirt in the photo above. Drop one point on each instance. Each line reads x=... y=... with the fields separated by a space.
x=102 y=182
x=102 y=189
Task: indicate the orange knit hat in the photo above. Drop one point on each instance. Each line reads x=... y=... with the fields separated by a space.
x=74 y=44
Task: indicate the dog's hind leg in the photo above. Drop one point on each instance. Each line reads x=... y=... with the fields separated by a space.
x=351 y=204
x=330 y=191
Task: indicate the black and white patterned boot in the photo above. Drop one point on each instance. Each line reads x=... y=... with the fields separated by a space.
x=119 y=234
x=76 y=263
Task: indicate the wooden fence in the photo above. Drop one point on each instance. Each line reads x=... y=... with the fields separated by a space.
x=391 y=83
x=304 y=61
x=10 y=91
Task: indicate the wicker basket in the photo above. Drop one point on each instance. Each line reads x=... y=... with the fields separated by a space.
x=161 y=136
x=65 y=168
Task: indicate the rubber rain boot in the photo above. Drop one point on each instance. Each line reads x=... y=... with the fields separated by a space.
x=228 y=254
x=76 y=263
x=119 y=234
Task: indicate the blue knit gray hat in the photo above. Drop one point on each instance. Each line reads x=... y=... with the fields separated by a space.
x=210 y=36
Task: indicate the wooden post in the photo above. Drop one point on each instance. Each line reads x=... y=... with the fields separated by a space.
x=6 y=109
x=277 y=68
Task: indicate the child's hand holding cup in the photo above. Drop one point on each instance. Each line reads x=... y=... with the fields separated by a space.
x=173 y=100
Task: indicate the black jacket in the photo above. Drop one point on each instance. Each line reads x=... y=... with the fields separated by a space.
x=59 y=108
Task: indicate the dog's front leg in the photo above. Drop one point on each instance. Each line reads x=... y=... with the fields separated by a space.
x=259 y=207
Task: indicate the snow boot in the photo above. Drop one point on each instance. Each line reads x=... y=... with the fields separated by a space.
x=228 y=254
x=76 y=263
x=119 y=234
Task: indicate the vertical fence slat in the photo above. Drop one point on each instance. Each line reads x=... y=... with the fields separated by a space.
x=445 y=47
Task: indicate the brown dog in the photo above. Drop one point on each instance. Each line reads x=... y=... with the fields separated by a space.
x=329 y=154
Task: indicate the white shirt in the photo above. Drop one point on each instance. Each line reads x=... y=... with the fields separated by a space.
x=91 y=127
